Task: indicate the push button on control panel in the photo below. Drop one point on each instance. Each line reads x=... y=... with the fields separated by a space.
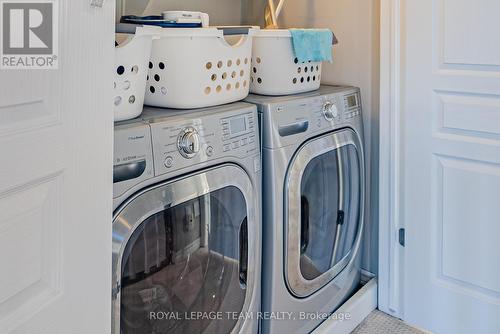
x=352 y=114
x=169 y=161
x=209 y=151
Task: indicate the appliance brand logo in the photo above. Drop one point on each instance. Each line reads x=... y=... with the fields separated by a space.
x=29 y=34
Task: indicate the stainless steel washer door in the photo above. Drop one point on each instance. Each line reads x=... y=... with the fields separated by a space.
x=324 y=199
x=184 y=253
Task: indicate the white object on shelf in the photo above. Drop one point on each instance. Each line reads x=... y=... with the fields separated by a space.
x=131 y=69
x=195 y=68
x=182 y=16
x=275 y=70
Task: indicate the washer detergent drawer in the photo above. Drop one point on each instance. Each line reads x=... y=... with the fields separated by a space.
x=324 y=210
x=133 y=156
x=183 y=253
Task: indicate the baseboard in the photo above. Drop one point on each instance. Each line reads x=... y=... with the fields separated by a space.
x=352 y=312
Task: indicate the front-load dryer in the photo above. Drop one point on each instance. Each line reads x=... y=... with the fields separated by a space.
x=313 y=200
x=187 y=221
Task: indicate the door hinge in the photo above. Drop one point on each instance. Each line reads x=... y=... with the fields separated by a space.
x=402 y=237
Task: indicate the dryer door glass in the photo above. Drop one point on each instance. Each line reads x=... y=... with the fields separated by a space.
x=185 y=265
x=329 y=210
x=324 y=223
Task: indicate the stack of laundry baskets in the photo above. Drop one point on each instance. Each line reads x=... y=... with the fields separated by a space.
x=187 y=67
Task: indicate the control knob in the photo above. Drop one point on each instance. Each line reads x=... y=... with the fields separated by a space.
x=330 y=111
x=188 y=142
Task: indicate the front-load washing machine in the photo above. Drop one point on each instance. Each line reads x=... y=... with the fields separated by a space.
x=187 y=221
x=313 y=199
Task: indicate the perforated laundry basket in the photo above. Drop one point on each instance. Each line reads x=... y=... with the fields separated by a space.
x=131 y=65
x=194 y=68
x=275 y=70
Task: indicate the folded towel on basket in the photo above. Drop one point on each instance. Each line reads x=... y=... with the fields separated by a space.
x=313 y=44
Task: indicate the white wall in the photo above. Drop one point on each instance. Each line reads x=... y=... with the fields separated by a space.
x=356 y=62
x=222 y=12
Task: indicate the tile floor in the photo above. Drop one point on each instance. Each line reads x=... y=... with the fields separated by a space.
x=380 y=323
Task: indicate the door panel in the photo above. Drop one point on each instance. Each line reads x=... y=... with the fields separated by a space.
x=183 y=247
x=324 y=191
x=331 y=208
x=186 y=259
x=56 y=130
x=459 y=265
x=475 y=24
x=451 y=157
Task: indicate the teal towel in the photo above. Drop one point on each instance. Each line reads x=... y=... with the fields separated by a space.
x=312 y=44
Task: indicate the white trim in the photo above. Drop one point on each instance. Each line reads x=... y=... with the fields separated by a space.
x=390 y=252
x=358 y=307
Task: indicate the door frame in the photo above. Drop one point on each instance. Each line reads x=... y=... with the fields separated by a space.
x=391 y=255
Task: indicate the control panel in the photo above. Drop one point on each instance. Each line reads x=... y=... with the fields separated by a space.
x=238 y=131
x=352 y=105
x=288 y=120
x=323 y=112
x=169 y=141
x=182 y=141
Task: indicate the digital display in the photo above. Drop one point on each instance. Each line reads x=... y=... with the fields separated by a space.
x=351 y=101
x=238 y=125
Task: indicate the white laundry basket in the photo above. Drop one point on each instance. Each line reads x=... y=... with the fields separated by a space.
x=275 y=70
x=194 y=68
x=131 y=65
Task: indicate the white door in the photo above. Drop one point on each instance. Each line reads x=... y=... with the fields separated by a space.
x=56 y=181
x=451 y=164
